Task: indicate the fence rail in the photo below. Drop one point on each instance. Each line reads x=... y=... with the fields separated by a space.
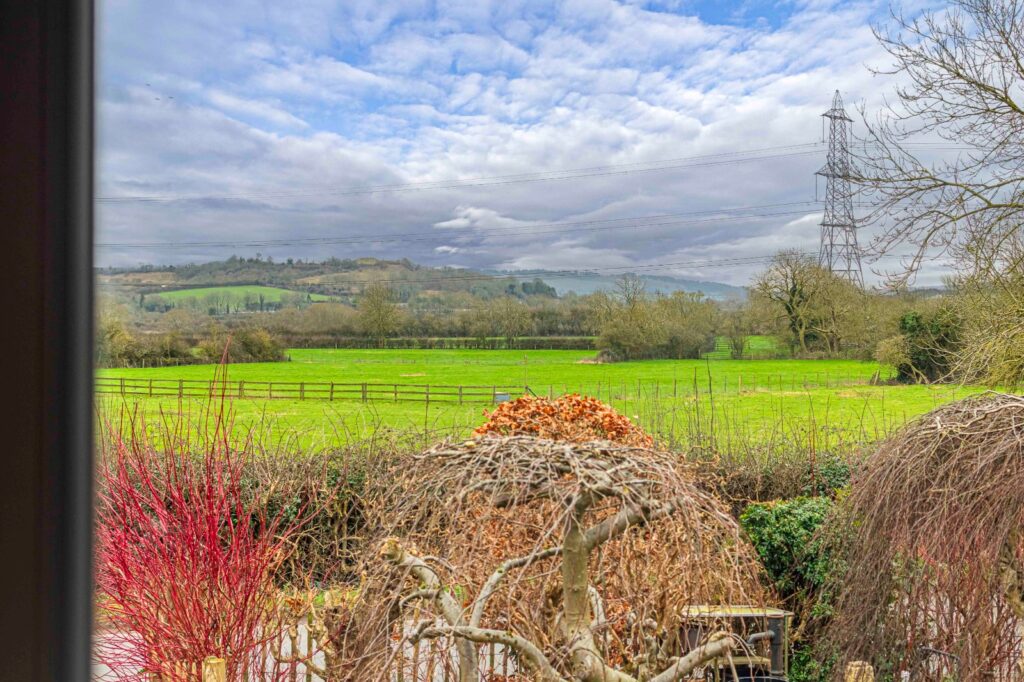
x=303 y=390
x=470 y=394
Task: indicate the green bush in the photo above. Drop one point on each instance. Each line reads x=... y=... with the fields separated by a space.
x=800 y=564
x=785 y=535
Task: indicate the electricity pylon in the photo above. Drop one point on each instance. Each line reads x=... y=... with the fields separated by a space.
x=839 y=251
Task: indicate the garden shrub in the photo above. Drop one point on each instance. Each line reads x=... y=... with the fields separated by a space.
x=784 y=534
x=799 y=561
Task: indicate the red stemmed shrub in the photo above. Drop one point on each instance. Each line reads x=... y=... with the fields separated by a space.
x=185 y=560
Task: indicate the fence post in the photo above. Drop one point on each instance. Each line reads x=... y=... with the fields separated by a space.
x=150 y=388
x=396 y=393
x=332 y=391
x=122 y=385
x=181 y=389
x=302 y=390
x=215 y=670
x=241 y=388
x=460 y=394
x=364 y=391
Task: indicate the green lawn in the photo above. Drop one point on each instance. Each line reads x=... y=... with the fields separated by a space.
x=270 y=294
x=738 y=401
x=538 y=369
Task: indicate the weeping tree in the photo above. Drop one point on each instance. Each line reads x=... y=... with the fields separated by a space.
x=581 y=559
x=932 y=534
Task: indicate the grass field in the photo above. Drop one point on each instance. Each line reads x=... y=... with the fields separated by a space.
x=270 y=294
x=736 y=402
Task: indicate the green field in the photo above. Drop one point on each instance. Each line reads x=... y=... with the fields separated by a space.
x=239 y=293
x=736 y=402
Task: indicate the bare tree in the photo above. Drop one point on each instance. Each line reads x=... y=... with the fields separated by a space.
x=379 y=315
x=580 y=558
x=963 y=69
x=791 y=281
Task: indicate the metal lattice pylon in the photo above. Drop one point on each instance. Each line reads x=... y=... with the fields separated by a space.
x=839 y=251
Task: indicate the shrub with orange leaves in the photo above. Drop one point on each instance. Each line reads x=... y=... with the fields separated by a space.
x=572 y=418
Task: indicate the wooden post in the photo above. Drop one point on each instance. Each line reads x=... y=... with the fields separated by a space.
x=859 y=671
x=302 y=390
x=332 y=391
x=241 y=388
x=181 y=389
x=215 y=670
x=270 y=390
x=150 y=388
x=396 y=393
x=460 y=394
x=364 y=391
x=122 y=385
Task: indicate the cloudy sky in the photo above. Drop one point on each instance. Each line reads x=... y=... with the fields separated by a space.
x=506 y=134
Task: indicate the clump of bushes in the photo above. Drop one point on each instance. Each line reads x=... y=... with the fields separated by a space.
x=241 y=345
x=785 y=535
x=924 y=351
x=801 y=563
x=116 y=346
x=185 y=562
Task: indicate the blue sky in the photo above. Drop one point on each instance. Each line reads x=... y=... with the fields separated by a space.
x=253 y=121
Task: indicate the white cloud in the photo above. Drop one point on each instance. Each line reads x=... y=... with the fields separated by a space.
x=256 y=108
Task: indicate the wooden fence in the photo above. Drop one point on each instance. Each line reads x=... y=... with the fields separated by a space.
x=612 y=392
x=303 y=390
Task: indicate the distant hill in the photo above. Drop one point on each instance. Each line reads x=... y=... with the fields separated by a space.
x=588 y=282
x=345 y=278
x=342 y=279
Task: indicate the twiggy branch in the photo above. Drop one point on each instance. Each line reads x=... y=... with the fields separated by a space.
x=492 y=583
x=527 y=650
x=716 y=648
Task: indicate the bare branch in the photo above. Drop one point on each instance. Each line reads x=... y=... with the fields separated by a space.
x=716 y=648
x=529 y=652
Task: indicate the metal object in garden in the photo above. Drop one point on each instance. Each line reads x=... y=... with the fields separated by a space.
x=764 y=631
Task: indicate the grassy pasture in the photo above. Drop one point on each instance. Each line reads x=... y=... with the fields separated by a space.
x=735 y=403
x=270 y=294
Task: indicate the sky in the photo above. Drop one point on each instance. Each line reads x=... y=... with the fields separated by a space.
x=587 y=134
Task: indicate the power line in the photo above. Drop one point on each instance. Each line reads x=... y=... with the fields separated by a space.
x=662 y=220
x=546 y=176
x=722 y=158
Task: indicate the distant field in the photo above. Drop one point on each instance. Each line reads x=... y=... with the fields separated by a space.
x=270 y=294
x=749 y=400
x=756 y=347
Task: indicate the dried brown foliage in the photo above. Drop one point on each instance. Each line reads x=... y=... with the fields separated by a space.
x=467 y=508
x=571 y=418
x=935 y=548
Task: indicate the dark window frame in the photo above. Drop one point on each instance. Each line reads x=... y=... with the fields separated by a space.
x=46 y=195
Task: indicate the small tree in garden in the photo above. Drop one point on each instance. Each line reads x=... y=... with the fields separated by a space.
x=580 y=558
x=184 y=562
x=933 y=539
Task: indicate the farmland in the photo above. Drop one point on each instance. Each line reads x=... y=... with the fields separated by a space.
x=751 y=400
x=240 y=293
